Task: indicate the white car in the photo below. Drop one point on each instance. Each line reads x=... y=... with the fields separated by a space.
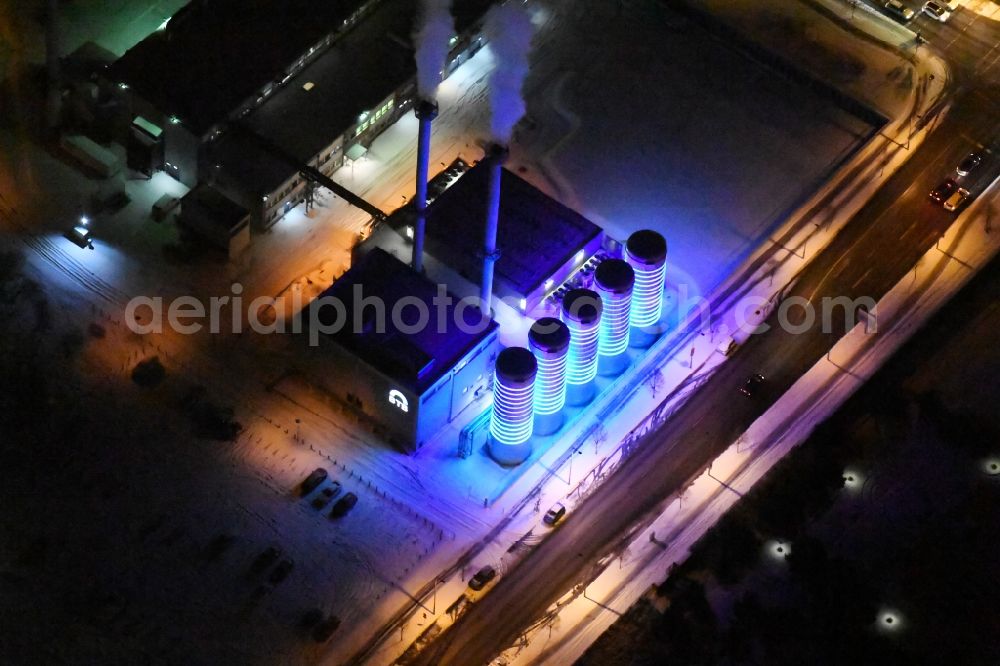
x=555 y=514
x=937 y=11
x=899 y=10
x=956 y=200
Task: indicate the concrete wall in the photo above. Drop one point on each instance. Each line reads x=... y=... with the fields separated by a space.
x=369 y=392
x=180 y=153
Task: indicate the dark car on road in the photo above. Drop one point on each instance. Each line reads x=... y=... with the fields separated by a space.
x=751 y=384
x=343 y=505
x=970 y=163
x=941 y=193
x=482 y=578
x=899 y=10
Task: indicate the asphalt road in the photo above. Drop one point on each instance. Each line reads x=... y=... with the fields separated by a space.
x=878 y=247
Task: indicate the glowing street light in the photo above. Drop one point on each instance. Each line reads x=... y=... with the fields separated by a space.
x=889 y=620
x=853 y=480
x=778 y=550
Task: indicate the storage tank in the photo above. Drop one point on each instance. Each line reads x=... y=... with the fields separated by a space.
x=646 y=252
x=512 y=422
x=613 y=282
x=581 y=311
x=549 y=342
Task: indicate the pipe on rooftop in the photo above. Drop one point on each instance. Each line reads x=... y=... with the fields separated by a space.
x=496 y=155
x=426 y=112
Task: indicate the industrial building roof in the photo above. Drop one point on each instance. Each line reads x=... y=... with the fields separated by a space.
x=216 y=207
x=245 y=160
x=360 y=70
x=536 y=233
x=414 y=359
x=212 y=55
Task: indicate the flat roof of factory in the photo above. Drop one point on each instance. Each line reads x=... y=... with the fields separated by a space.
x=217 y=207
x=536 y=233
x=360 y=70
x=214 y=54
x=414 y=359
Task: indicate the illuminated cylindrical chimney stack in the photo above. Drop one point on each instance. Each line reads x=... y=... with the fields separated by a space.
x=496 y=155
x=581 y=310
x=426 y=113
x=646 y=252
x=512 y=422
x=613 y=282
x=549 y=341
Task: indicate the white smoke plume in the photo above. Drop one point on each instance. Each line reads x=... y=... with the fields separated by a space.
x=509 y=30
x=436 y=28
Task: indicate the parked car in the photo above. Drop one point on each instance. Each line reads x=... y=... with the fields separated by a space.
x=750 y=385
x=970 y=163
x=218 y=545
x=266 y=558
x=316 y=477
x=325 y=495
x=482 y=578
x=311 y=618
x=280 y=572
x=937 y=11
x=899 y=10
x=554 y=514
x=728 y=346
x=343 y=505
x=944 y=190
x=956 y=200
x=322 y=631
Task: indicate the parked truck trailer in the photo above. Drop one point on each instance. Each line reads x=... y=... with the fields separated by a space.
x=92 y=155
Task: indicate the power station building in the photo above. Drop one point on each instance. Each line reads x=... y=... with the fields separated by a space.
x=541 y=242
x=408 y=376
x=240 y=95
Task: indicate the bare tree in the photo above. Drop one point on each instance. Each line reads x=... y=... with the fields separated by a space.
x=656 y=382
x=600 y=437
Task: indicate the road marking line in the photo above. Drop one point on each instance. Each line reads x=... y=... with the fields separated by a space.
x=910 y=228
x=928 y=165
x=861 y=279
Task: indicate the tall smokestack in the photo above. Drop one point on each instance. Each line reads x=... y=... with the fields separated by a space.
x=431 y=40
x=508 y=29
x=426 y=113
x=496 y=155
